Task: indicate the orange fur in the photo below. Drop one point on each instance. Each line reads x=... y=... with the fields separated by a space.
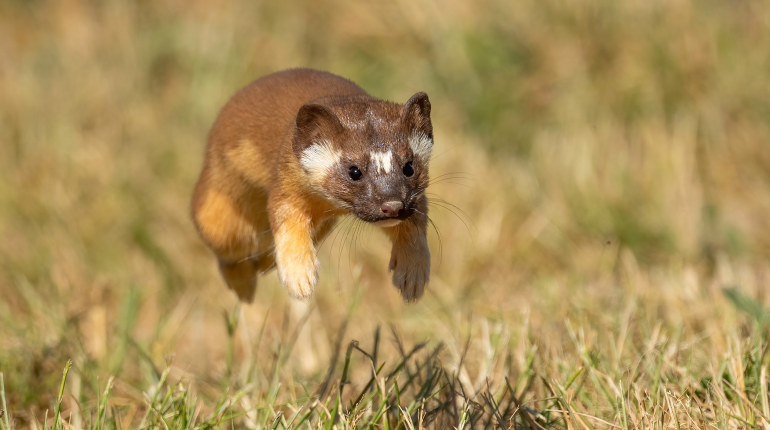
x=256 y=207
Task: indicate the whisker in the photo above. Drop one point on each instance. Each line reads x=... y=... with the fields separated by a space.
x=346 y=207
x=368 y=237
x=439 y=199
x=415 y=194
x=450 y=181
x=256 y=256
x=452 y=176
x=351 y=244
x=342 y=245
x=272 y=247
x=433 y=157
x=438 y=235
x=439 y=205
x=466 y=174
x=341 y=225
x=443 y=177
x=360 y=225
x=336 y=226
x=365 y=231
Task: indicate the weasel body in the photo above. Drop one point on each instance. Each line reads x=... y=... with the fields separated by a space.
x=294 y=150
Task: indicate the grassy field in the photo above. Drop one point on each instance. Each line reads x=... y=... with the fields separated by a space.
x=602 y=256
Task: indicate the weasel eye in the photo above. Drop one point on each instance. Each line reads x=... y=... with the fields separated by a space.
x=408 y=169
x=354 y=173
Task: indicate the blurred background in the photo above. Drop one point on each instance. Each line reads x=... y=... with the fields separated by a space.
x=607 y=161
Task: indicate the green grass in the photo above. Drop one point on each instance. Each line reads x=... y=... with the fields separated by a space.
x=603 y=220
x=417 y=388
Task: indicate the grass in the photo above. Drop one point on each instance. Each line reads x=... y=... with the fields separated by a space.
x=419 y=389
x=602 y=222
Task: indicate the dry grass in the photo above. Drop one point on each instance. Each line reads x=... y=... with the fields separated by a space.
x=606 y=265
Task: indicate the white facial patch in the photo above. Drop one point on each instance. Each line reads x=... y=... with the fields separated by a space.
x=318 y=158
x=382 y=161
x=387 y=222
x=421 y=145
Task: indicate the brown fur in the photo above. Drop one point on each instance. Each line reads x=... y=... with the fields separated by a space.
x=255 y=205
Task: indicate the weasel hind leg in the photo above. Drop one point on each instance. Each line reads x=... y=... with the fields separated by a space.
x=241 y=277
x=235 y=226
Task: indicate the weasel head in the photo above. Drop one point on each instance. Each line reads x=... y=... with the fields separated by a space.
x=367 y=156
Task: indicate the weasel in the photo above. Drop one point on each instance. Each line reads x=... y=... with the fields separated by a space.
x=294 y=150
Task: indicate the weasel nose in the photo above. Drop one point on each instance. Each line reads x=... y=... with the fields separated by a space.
x=390 y=209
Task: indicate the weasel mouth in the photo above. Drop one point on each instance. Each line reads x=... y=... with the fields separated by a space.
x=388 y=222
x=391 y=222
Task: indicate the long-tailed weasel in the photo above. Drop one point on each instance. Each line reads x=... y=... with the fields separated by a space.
x=291 y=152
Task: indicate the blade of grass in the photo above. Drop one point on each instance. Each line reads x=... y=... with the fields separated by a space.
x=6 y=413
x=276 y=421
x=61 y=394
x=102 y=411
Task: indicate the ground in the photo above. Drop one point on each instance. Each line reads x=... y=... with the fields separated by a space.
x=601 y=196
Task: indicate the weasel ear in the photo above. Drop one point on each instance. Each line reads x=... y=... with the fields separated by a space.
x=416 y=115
x=314 y=122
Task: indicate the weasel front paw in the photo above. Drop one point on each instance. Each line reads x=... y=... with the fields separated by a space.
x=299 y=277
x=411 y=271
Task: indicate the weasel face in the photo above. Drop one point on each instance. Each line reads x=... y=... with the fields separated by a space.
x=382 y=185
x=369 y=157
